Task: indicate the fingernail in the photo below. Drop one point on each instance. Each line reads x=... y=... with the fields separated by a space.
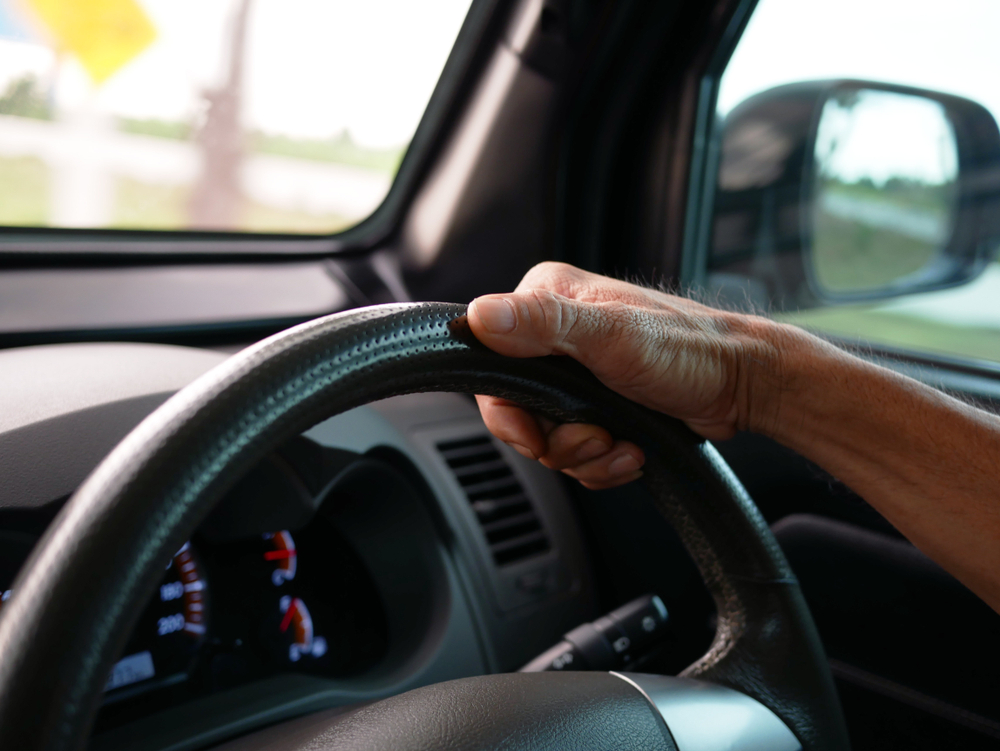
x=591 y=449
x=496 y=313
x=623 y=465
x=523 y=450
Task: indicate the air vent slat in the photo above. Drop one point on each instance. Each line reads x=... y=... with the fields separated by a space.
x=483 y=472
x=462 y=456
x=510 y=525
x=501 y=547
x=472 y=458
x=449 y=446
x=503 y=488
x=516 y=550
x=515 y=526
x=491 y=510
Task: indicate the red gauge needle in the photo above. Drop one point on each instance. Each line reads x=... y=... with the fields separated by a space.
x=289 y=614
x=277 y=555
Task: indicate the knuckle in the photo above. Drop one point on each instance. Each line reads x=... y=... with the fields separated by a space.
x=548 y=314
x=555 y=276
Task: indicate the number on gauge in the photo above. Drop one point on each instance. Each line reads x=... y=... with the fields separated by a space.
x=170 y=629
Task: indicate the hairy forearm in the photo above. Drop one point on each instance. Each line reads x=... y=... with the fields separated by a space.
x=929 y=463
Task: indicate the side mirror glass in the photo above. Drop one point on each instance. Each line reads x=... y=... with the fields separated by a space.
x=843 y=190
x=884 y=193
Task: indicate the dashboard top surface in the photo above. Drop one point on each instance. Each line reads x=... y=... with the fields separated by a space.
x=39 y=383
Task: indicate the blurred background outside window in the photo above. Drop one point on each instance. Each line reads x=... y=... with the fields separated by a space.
x=947 y=47
x=286 y=116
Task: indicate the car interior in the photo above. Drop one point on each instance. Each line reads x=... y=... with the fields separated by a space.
x=227 y=533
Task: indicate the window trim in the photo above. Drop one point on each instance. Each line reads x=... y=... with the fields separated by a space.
x=704 y=167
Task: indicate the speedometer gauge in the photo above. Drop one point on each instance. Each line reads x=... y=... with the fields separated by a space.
x=184 y=597
x=170 y=629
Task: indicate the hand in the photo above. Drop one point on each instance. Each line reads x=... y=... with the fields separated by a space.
x=717 y=371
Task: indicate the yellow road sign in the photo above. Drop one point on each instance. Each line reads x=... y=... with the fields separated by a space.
x=104 y=34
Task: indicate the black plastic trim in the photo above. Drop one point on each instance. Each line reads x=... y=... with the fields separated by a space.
x=705 y=151
x=905 y=695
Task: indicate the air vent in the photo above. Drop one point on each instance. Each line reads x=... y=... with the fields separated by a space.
x=512 y=528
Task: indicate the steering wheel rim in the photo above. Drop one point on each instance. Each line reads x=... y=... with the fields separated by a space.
x=102 y=556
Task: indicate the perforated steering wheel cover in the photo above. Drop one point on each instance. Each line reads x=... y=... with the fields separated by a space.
x=83 y=587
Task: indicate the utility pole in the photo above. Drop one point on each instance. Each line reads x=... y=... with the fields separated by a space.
x=217 y=198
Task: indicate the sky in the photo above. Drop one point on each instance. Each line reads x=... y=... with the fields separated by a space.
x=883 y=135
x=314 y=67
x=946 y=46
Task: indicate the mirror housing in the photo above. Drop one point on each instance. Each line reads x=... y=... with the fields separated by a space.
x=769 y=234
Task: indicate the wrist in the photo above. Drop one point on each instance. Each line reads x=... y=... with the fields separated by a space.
x=786 y=371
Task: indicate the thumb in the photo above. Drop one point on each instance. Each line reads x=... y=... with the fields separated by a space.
x=536 y=323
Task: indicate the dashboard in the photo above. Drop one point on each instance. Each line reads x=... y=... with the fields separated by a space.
x=386 y=548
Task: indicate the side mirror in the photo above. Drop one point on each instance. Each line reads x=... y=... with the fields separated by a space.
x=839 y=191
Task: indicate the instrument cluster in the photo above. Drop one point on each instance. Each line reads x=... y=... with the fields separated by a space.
x=229 y=612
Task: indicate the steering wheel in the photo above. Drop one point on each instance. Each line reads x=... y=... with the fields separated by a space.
x=763 y=684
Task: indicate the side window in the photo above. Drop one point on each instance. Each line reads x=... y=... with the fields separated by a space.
x=283 y=116
x=858 y=190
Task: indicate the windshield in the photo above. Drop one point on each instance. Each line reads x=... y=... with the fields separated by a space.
x=238 y=115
